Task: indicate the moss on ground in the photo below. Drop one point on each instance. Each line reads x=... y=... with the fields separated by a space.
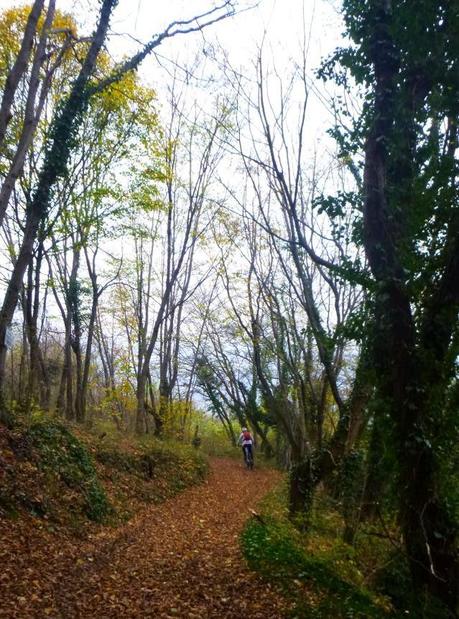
x=148 y=471
x=321 y=575
x=66 y=460
x=316 y=587
x=326 y=577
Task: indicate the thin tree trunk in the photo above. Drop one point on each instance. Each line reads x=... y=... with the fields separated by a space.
x=88 y=355
x=140 y=420
x=32 y=115
x=19 y=67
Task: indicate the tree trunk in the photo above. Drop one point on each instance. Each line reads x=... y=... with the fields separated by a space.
x=140 y=420
x=302 y=483
x=19 y=67
x=32 y=114
x=88 y=356
x=414 y=367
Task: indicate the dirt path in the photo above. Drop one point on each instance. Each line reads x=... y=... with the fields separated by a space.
x=178 y=559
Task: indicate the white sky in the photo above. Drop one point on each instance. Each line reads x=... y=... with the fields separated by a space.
x=279 y=24
x=240 y=35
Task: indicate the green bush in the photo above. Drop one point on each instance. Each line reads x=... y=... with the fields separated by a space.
x=67 y=474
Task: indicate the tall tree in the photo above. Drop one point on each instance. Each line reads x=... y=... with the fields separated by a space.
x=54 y=165
x=409 y=69
x=20 y=64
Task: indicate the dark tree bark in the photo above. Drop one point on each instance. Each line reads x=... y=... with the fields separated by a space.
x=415 y=366
x=39 y=386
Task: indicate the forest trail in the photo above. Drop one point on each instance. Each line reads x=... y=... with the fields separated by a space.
x=178 y=559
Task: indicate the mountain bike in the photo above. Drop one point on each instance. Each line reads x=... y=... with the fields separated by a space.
x=248 y=456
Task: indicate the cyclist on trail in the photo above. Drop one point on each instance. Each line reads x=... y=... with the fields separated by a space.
x=247 y=443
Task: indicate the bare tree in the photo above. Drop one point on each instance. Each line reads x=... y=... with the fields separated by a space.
x=275 y=163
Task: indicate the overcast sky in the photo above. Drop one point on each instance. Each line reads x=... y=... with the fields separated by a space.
x=281 y=20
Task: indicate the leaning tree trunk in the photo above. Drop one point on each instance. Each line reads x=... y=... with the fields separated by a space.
x=32 y=113
x=19 y=67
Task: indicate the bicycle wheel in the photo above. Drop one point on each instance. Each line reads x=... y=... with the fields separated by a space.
x=246 y=458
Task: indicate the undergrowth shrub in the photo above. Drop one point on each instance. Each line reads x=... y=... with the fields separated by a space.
x=327 y=577
x=151 y=459
x=395 y=581
x=147 y=470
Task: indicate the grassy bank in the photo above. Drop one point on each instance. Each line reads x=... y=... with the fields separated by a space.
x=325 y=577
x=71 y=477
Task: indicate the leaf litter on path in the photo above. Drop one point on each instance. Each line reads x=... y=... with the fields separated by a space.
x=178 y=559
